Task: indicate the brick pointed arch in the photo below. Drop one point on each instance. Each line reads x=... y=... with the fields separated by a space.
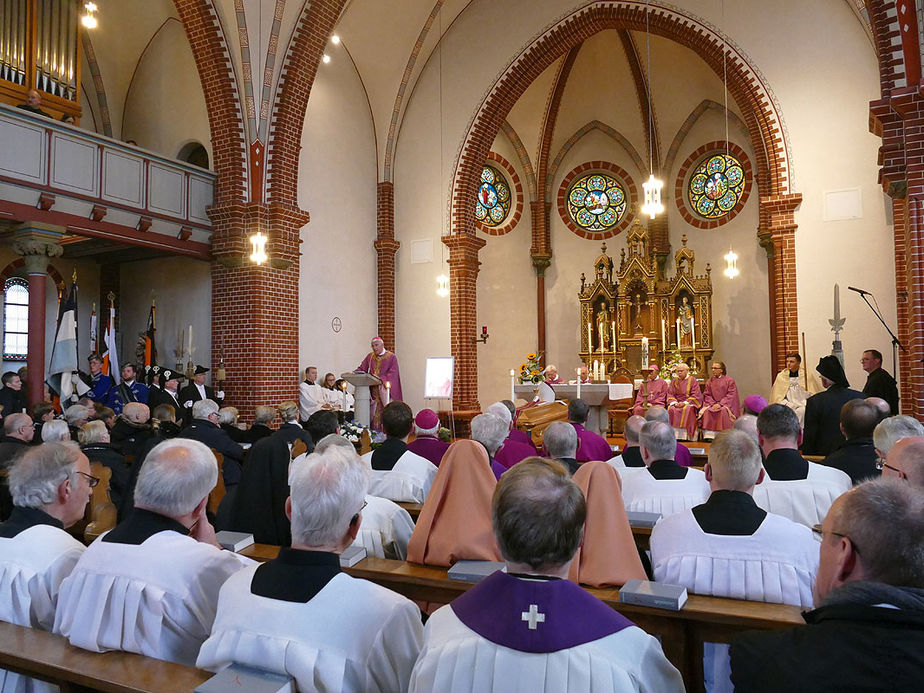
x=746 y=87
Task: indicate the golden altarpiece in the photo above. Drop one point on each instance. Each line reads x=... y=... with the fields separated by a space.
x=632 y=316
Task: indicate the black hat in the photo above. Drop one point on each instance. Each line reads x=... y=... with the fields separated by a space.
x=830 y=367
x=167 y=374
x=200 y=370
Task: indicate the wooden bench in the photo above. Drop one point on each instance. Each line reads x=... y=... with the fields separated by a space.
x=682 y=633
x=413 y=509
x=52 y=658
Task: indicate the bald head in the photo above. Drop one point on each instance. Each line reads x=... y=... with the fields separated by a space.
x=657 y=442
x=136 y=412
x=18 y=426
x=880 y=405
x=906 y=460
x=633 y=430
x=657 y=413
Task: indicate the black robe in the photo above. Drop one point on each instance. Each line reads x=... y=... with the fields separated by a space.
x=259 y=504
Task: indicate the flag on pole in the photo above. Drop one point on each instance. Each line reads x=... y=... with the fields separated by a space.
x=62 y=371
x=94 y=331
x=150 y=349
x=110 y=356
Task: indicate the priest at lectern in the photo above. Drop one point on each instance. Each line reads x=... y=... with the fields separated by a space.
x=384 y=365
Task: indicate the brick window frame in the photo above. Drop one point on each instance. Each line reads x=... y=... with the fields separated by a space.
x=691 y=163
x=516 y=205
x=621 y=176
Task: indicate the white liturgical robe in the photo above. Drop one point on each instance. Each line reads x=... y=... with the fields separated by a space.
x=353 y=636
x=641 y=492
x=385 y=529
x=805 y=501
x=32 y=566
x=409 y=481
x=310 y=398
x=456 y=659
x=776 y=564
x=157 y=598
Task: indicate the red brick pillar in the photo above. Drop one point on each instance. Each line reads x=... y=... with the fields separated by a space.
x=777 y=236
x=385 y=248
x=463 y=316
x=255 y=308
x=37 y=244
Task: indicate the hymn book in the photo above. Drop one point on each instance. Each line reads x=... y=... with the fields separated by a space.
x=657 y=594
x=234 y=541
x=240 y=678
x=474 y=571
x=352 y=555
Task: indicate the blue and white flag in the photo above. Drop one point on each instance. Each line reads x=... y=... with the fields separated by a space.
x=62 y=371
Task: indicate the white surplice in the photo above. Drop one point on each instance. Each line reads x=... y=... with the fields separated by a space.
x=353 y=636
x=310 y=398
x=157 y=598
x=455 y=659
x=32 y=566
x=385 y=529
x=805 y=501
x=409 y=481
x=641 y=492
x=777 y=563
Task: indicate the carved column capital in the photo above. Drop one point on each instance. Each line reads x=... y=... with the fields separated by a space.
x=541 y=262
x=37 y=245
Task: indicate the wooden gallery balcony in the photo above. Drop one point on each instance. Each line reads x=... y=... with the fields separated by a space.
x=109 y=197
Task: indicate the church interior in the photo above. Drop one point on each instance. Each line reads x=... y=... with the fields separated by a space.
x=399 y=113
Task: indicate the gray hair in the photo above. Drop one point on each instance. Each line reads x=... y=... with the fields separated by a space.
x=657 y=413
x=332 y=440
x=560 y=439
x=658 y=438
x=91 y=432
x=884 y=519
x=634 y=427
x=176 y=475
x=13 y=422
x=891 y=430
x=490 y=430
x=288 y=411
x=37 y=473
x=746 y=423
x=327 y=490
x=56 y=430
x=227 y=415
x=778 y=421
x=500 y=410
x=75 y=413
x=264 y=414
x=204 y=408
x=735 y=460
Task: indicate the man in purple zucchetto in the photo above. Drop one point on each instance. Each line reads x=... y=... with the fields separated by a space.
x=531 y=618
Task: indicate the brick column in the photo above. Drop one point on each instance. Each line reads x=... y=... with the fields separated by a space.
x=37 y=244
x=255 y=308
x=385 y=248
x=463 y=315
x=777 y=236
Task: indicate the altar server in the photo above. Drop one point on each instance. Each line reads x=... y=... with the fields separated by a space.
x=151 y=584
x=530 y=629
x=301 y=615
x=729 y=547
x=664 y=487
x=399 y=474
x=455 y=521
x=50 y=485
x=721 y=405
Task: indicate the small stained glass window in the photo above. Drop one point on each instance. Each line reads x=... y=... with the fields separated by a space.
x=493 y=198
x=597 y=202
x=15 y=319
x=716 y=186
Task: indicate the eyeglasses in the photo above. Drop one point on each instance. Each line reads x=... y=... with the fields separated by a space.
x=356 y=516
x=91 y=480
x=882 y=464
x=817 y=530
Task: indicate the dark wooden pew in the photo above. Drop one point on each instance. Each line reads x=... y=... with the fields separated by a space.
x=52 y=658
x=413 y=509
x=682 y=633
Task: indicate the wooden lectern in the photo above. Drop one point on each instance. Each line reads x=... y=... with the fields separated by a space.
x=362 y=382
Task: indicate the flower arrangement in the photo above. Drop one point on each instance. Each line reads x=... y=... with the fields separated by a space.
x=353 y=432
x=531 y=371
x=669 y=368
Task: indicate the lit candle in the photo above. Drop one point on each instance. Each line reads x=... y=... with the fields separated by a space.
x=613 y=332
x=663 y=337
x=387 y=392
x=644 y=353
x=512 y=394
x=678 y=334
x=578 y=383
x=693 y=333
x=596 y=370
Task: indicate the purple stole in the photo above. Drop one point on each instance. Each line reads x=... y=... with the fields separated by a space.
x=536 y=616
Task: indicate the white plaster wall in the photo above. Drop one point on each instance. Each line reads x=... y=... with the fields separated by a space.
x=182 y=289
x=337 y=186
x=165 y=107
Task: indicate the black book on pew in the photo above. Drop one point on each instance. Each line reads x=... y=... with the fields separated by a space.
x=240 y=678
x=657 y=594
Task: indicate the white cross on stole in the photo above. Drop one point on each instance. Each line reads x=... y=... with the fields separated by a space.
x=533 y=617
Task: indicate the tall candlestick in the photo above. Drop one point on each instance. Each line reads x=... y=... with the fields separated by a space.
x=189 y=343
x=512 y=394
x=663 y=337
x=613 y=333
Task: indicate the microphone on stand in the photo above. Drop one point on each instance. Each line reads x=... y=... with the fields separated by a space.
x=859 y=291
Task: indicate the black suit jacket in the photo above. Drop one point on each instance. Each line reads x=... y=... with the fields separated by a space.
x=292 y=432
x=190 y=393
x=158 y=396
x=878 y=384
x=856 y=457
x=259 y=505
x=822 y=434
x=13 y=401
x=211 y=435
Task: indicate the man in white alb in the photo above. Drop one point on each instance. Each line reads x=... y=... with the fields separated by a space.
x=151 y=584
x=794 y=385
x=399 y=474
x=531 y=629
x=311 y=396
x=300 y=615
